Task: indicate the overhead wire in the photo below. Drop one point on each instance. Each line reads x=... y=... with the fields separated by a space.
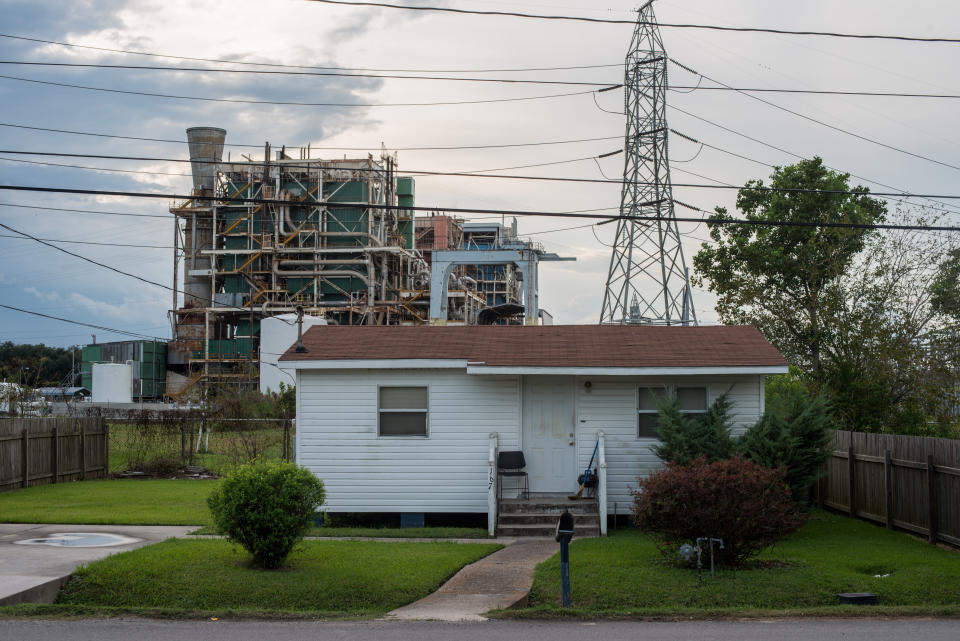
x=288 y=66
x=294 y=103
x=370 y=148
x=75 y=322
x=666 y=25
x=88 y=211
x=339 y=74
x=532 y=213
x=88 y=242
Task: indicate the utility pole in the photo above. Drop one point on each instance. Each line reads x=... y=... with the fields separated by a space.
x=648 y=281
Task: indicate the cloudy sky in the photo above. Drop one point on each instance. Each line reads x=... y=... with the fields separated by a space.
x=294 y=32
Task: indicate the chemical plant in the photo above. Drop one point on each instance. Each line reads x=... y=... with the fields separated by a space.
x=340 y=240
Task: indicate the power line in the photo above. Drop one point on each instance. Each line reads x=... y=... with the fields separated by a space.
x=423 y=172
x=87 y=242
x=73 y=322
x=370 y=148
x=822 y=123
x=285 y=66
x=90 y=260
x=532 y=213
x=302 y=73
x=296 y=104
x=513 y=14
x=821 y=92
x=89 y=211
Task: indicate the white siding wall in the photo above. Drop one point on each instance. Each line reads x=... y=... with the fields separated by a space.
x=445 y=472
x=610 y=405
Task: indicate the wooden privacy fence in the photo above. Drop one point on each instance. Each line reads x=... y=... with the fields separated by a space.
x=906 y=482
x=38 y=451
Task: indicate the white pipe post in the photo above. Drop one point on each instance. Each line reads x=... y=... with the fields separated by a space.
x=602 y=481
x=492 y=487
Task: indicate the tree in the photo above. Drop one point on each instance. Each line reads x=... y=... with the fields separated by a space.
x=865 y=316
x=686 y=437
x=782 y=278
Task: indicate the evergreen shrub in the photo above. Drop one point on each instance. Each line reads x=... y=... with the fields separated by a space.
x=686 y=437
x=741 y=502
x=267 y=508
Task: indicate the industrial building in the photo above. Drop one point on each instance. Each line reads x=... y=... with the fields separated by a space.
x=339 y=239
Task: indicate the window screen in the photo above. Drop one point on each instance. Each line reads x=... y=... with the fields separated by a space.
x=647 y=418
x=403 y=411
x=692 y=399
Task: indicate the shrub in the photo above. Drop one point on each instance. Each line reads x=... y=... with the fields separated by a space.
x=746 y=505
x=685 y=437
x=267 y=508
x=793 y=434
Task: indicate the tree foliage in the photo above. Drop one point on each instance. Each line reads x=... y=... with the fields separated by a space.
x=35 y=365
x=867 y=317
x=685 y=437
x=267 y=508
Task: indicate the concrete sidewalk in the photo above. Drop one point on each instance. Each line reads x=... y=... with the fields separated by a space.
x=35 y=573
x=501 y=580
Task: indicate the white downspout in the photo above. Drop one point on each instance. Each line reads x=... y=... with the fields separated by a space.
x=492 y=487
x=602 y=481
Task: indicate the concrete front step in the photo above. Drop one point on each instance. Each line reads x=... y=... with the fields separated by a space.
x=544 y=530
x=539 y=518
x=548 y=507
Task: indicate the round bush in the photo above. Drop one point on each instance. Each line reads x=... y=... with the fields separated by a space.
x=746 y=505
x=267 y=508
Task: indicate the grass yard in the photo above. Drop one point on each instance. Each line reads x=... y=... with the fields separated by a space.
x=377 y=532
x=322 y=578
x=134 y=502
x=624 y=575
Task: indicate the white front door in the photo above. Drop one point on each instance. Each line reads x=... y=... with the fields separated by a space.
x=549 y=446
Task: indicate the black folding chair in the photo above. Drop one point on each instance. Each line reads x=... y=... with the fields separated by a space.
x=511 y=465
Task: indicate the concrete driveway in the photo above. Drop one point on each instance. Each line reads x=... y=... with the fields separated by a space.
x=35 y=573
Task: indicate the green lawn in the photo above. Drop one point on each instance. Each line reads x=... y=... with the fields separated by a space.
x=322 y=578
x=140 y=502
x=376 y=532
x=625 y=575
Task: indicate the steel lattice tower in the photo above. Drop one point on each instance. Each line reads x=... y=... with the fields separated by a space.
x=648 y=280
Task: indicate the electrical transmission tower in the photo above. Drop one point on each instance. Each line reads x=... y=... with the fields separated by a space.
x=648 y=282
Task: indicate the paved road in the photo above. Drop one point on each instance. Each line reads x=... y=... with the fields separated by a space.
x=781 y=630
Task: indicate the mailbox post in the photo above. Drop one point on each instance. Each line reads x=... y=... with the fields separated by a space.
x=564 y=534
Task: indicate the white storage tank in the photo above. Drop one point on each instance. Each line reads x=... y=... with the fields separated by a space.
x=277 y=334
x=112 y=383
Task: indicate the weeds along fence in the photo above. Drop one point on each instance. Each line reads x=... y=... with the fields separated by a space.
x=39 y=451
x=910 y=483
x=160 y=443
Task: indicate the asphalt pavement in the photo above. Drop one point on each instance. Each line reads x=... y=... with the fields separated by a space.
x=779 y=630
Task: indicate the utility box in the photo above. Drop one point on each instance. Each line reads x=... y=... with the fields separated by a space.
x=112 y=383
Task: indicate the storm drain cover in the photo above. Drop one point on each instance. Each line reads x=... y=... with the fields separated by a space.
x=80 y=540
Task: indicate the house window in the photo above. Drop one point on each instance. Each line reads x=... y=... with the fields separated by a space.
x=403 y=411
x=690 y=400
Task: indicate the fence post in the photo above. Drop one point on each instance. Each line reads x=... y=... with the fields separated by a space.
x=851 y=467
x=888 y=484
x=54 y=455
x=26 y=455
x=183 y=443
x=932 y=498
x=106 y=448
x=286 y=436
x=83 y=450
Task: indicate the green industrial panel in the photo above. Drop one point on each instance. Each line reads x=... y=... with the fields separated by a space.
x=235 y=284
x=351 y=192
x=405 y=201
x=405 y=228
x=405 y=187
x=235 y=242
x=90 y=353
x=294 y=285
x=243 y=328
x=352 y=219
x=330 y=286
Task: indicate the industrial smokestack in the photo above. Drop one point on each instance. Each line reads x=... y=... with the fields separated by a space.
x=206 y=149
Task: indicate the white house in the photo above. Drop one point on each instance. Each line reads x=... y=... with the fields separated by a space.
x=409 y=419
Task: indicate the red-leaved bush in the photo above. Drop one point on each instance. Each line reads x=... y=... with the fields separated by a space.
x=746 y=505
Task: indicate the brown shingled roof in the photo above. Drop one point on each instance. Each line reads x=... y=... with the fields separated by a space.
x=546 y=346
